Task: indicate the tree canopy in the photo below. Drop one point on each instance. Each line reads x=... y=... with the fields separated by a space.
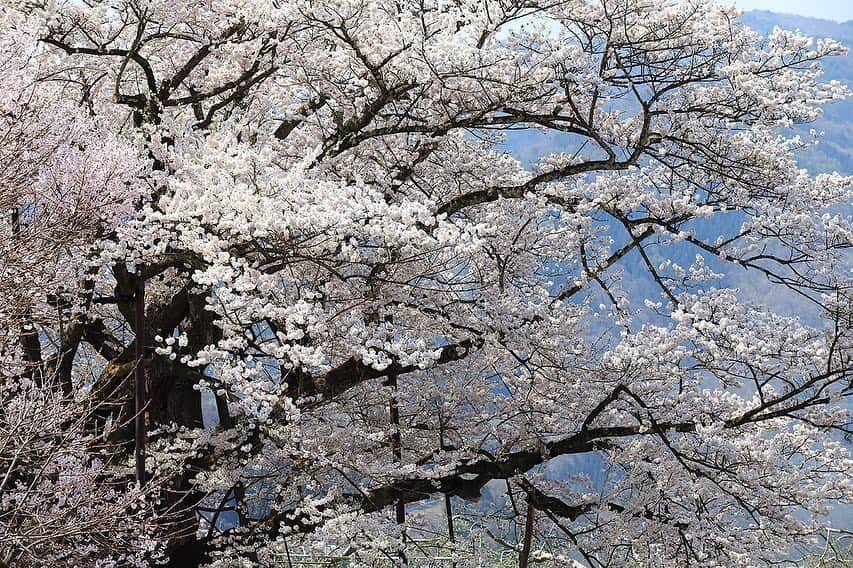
x=296 y=227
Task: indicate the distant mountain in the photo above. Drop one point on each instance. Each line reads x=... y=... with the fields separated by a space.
x=764 y=20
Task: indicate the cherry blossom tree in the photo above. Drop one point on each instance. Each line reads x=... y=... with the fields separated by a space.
x=387 y=316
x=64 y=181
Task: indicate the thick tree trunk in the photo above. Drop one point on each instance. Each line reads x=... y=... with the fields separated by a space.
x=191 y=553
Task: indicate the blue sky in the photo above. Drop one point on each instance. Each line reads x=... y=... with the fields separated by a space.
x=839 y=10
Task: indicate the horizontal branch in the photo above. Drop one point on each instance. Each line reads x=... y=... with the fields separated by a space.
x=353 y=372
